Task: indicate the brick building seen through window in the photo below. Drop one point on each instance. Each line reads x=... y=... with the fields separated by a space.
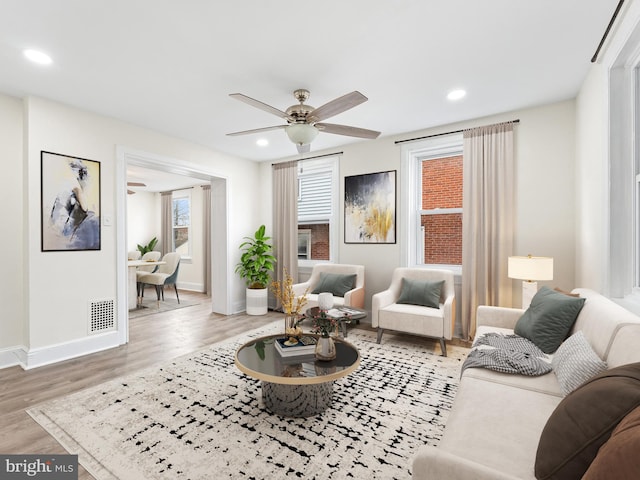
x=313 y=241
x=442 y=189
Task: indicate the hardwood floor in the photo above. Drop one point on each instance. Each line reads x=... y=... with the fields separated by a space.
x=152 y=339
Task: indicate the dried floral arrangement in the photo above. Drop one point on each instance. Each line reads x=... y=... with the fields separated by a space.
x=283 y=291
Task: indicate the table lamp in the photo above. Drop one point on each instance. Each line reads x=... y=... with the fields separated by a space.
x=530 y=269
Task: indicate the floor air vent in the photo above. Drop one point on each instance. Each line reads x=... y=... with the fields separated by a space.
x=102 y=316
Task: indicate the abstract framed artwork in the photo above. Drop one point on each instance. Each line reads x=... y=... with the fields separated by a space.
x=370 y=208
x=70 y=203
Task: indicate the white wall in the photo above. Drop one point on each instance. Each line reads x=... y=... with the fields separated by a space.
x=592 y=182
x=545 y=194
x=12 y=313
x=60 y=285
x=143 y=219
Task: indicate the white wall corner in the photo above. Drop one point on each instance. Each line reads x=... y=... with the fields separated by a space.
x=39 y=357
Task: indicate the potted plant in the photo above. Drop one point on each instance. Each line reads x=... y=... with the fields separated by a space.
x=256 y=263
x=148 y=247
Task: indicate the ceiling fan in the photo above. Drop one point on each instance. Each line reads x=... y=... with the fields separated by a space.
x=304 y=121
x=134 y=184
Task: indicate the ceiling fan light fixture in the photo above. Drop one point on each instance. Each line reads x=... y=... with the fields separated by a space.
x=301 y=133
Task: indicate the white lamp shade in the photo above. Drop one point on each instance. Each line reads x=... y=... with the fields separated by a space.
x=301 y=133
x=530 y=268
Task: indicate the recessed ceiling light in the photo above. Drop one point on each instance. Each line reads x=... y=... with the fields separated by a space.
x=262 y=142
x=456 y=94
x=37 y=56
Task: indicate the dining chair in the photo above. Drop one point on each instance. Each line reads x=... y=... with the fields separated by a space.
x=143 y=270
x=167 y=274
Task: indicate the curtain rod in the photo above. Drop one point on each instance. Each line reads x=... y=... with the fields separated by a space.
x=517 y=120
x=606 y=32
x=310 y=158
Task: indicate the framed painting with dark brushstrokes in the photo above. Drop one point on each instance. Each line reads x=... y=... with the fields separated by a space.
x=370 y=208
x=70 y=203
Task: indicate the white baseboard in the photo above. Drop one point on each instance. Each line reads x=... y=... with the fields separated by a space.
x=10 y=357
x=191 y=286
x=39 y=357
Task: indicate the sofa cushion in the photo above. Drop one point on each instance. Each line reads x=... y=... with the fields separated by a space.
x=420 y=292
x=583 y=422
x=549 y=319
x=618 y=458
x=575 y=362
x=335 y=283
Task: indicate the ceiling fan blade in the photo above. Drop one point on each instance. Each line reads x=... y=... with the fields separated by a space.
x=336 y=106
x=130 y=192
x=256 y=130
x=258 y=104
x=304 y=148
x=136 y=184
x=346 y=130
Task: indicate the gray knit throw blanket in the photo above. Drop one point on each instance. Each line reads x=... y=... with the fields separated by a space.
x=508 y=354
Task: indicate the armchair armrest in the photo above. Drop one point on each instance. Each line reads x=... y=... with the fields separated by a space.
x=299 y=288
x=434 y=463
x=498 y=316
x=355 y=297
x=379 y=301
x=450 y=315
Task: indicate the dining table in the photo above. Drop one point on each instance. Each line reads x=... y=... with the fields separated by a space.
x=132 y=297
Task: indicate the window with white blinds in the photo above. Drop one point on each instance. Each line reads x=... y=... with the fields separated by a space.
x=314 y=196
x=317 y=209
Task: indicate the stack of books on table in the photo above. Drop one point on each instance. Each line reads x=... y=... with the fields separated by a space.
x=306 y=345
x=341 y=312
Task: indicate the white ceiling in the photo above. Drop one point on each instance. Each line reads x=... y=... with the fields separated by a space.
x=158 y=181
x=170 y=65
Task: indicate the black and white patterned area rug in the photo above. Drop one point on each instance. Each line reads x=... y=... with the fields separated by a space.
x=199 y=417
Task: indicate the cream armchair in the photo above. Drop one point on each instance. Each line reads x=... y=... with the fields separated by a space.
x=351 y=298
x=387 y=314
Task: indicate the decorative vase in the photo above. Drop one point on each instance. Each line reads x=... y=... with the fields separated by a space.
x=290 y=327
x=325 y=301
x=325 y=348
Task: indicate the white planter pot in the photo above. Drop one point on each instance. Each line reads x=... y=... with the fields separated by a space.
x=257 y=301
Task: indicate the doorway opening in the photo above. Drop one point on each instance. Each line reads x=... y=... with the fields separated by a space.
x=219 y=273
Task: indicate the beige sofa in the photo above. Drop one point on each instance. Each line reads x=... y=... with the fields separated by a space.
x=496 y=421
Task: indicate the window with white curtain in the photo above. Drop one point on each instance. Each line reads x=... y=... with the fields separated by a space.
x=317 y=210
x=432 y=202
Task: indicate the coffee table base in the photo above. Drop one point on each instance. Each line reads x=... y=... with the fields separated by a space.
x=297 y=400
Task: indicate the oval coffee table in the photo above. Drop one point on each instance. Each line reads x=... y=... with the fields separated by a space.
x=298 y=386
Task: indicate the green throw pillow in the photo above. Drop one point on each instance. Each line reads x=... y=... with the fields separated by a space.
x=421 y=292
x=549 y=319
x=335 y=283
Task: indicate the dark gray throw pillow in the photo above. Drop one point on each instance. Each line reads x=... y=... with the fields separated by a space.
x=421 y=292
x=335 y=283
x=549 y=319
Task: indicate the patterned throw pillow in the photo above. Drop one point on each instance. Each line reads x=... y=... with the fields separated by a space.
x=575 y=362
